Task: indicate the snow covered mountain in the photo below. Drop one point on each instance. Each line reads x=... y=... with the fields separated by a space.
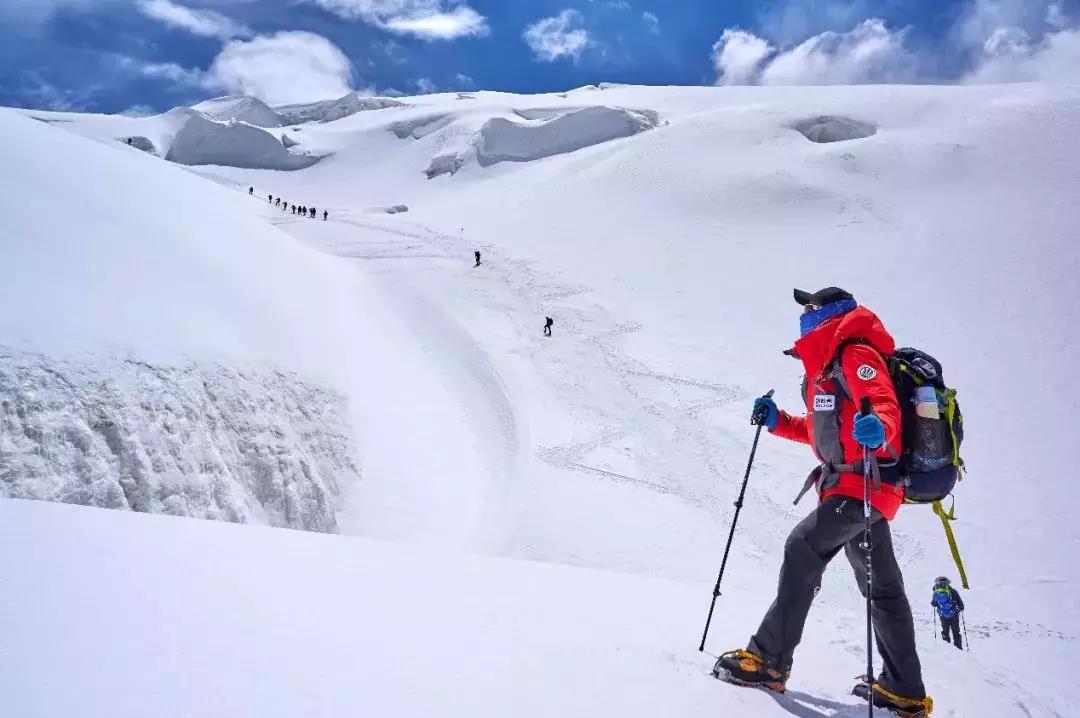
x=251 y=110
x=330 y=110
x=663 y=229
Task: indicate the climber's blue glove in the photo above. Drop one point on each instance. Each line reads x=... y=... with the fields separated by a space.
x=868 y=431
x=765 y=413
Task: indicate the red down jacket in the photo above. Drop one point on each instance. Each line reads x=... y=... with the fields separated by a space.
x=866 y=374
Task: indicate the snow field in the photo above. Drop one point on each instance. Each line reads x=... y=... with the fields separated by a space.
x=210 y=619
x=667 y=259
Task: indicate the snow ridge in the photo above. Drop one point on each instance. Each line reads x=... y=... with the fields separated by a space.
x=331 y=110
x=243 y=109
x=202 y=141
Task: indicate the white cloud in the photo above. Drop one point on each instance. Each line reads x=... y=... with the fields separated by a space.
x=1020 y=41
x=652 y=21
x=556 y=37
x=425 y=19
x=426 y=86
x=174 y=72
x=284 y=68
x=460 y=22
x=792 y=21
x=171 y=71
x=139 y=111
x=869 y=53
x=982 y=18
x=394 y=50
x=464 y=82
x=738 y=56
x=1010 y=56
x=206 y=23
x=1055 y=17
x=37 y=93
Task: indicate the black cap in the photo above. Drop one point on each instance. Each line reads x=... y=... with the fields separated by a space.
x=821 y=297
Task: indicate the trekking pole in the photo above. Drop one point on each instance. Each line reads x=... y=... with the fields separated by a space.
x=967 y=643
x=869 y=471
x=758 y=420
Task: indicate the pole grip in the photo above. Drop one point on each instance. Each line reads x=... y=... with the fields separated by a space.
x=758 y=417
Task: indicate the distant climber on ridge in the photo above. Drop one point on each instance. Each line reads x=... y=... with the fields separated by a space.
x=313 y=213
x=948 y=604
x=548 y=323
x=251 y=190
x=476 y=254
x=839 y=435
x=325 y=214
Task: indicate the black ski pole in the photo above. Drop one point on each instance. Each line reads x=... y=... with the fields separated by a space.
x=758 y=420
x=963 y=622
x=869 y=466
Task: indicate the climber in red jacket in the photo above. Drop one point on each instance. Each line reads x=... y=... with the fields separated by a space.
x=841 y=348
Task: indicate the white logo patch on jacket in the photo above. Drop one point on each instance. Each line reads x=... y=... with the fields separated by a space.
x=866 y=372
x=825 y=402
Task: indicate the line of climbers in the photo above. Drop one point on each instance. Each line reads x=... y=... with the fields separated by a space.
x=302 y=210
x=311 y=212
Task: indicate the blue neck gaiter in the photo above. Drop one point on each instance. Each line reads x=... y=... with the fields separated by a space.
x=812 y=320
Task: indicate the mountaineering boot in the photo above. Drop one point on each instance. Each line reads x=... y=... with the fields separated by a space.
x=901 y=706
x=748 y=669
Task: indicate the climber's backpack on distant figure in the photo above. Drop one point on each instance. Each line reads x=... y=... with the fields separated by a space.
x=930 y=464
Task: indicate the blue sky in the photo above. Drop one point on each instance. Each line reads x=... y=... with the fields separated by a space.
x=150 y=55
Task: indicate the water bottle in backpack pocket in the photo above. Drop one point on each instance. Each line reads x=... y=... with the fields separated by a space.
x=931 y=460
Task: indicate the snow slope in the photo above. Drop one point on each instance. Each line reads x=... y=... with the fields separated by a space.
x=186 y=618
x=667 y=259
x=162 y=348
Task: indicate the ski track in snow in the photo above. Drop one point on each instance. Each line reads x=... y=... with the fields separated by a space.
x=625 y=442
x=591 y=334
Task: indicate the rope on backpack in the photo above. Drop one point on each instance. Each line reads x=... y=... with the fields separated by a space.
x=946 y=517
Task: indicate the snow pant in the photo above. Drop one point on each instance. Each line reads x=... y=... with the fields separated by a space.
x=951 y=625
x=838 y=523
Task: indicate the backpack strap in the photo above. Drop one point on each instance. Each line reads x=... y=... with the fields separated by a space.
x=826 y=475
x=946 y=517
x=836 y=373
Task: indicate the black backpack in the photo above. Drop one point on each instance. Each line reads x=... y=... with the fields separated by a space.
x=930 y=463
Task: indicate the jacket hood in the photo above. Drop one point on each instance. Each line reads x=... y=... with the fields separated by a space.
x=818 y=348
